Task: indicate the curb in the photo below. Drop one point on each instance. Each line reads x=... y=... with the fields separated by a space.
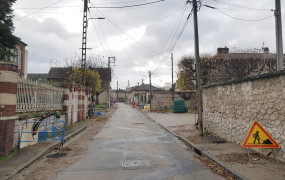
x=201 y=153
x=43 y=152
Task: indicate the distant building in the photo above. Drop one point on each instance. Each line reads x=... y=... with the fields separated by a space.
x=60 y=74
x=119 y=95
x=266 y=65
x=41 y=77
x=140 y=94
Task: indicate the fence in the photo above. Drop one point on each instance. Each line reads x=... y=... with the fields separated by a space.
x=35 y=96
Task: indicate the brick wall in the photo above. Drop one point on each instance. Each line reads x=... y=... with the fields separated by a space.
x=6 y=136
x=8 y=92
x=72 y=92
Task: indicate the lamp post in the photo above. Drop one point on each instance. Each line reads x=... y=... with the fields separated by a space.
x=84 y=43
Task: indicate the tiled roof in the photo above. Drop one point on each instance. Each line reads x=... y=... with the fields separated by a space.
x=58 y=73
x=37 y=76
x=145 y=87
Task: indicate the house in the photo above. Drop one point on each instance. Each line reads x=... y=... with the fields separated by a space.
x=240 y=64
x=41 y=77
x=119 y=95
x=60 y=74
x=20 y=58
x=140 y=94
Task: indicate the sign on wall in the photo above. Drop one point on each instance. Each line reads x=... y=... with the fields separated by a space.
x=258 y=137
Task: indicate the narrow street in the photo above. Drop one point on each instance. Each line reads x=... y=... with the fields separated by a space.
x=131 y=146
x=128 y=146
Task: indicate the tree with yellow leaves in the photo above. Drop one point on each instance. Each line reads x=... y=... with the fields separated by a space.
x=92 y=78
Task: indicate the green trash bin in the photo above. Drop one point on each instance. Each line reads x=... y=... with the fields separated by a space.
x=178 y=106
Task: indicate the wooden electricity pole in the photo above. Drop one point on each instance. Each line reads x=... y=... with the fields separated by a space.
x=198 y=71
x=172 y=86
x=149 y=90
x=279 y=41
x=118 y=91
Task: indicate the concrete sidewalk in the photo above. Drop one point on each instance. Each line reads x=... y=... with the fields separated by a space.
x=229 y=156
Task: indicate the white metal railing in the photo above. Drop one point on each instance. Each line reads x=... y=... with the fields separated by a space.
x=36 y=96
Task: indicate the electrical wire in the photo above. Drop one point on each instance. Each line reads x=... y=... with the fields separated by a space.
x=211 y=7
x=130 y=6
x=172 y=34
x=245 y=7
x=59 y=7
x=39 y=10
x=176 y=36
x=128 y=34
x=159 y=21
x=98 y=35
x=245 y=19
x=122 y=2
x=177 y=25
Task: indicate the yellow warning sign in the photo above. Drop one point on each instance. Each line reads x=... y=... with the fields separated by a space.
x=258 y=137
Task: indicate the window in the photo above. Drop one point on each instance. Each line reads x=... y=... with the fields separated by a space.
x=19 y=59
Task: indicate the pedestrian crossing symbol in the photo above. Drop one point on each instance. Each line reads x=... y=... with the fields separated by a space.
x=258 y=137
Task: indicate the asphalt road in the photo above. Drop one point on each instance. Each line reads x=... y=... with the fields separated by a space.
x=132 y=146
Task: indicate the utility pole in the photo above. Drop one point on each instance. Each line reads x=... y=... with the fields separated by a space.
x=197 y=64
x=84 y=38
x=109 y=79
x=117 y=90
x=279 y=41
x=172 y=86
x=149 y=90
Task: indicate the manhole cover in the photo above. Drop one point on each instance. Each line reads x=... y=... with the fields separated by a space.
x=135 y=163
x=57 y=155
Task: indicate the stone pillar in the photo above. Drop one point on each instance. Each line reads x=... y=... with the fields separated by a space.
x=67 y=103
x=81 y=104
x=8 y=94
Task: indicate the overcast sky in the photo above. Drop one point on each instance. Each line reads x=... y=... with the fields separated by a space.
x=142 y=37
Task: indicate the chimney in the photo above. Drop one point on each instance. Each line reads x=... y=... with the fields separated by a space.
x=224 y=50
x=266 y=50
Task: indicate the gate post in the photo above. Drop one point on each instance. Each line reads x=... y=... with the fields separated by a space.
x=8 y=94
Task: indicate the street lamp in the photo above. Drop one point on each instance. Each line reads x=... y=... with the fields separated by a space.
x=94 y=18
x=84 y=42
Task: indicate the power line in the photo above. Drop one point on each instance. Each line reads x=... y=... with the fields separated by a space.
x=98 y=35
x=173 y=32
x=176 y=36
x=122 y=2
x=59 y=7
x=211 y=7
x=245 y=7
x=128 y=34
x=160 y=20
x=130 y=6
x=39 y=10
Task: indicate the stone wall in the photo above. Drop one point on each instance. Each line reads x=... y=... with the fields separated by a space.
x=231 y=108
x=163 y=99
